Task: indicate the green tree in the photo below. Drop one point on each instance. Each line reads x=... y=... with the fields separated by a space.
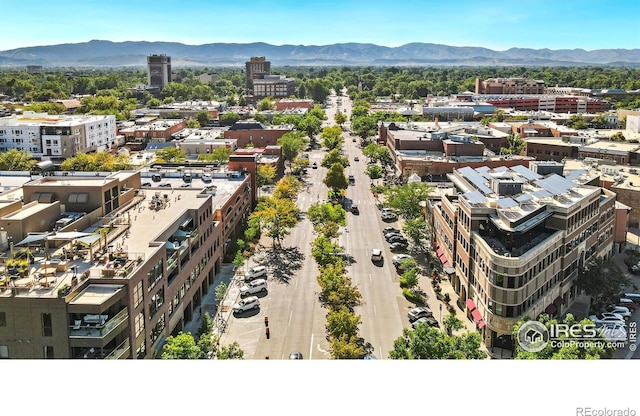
x=206 y=326
x=601 y=279
x=229 y=119
x=364 y=127
x=325 y=212
x=335 y=178
x=230 y=352
x=407 y=199
x=618 y=137
x=203 y=117
x=425 y=342
x=221 y=290
x=342 y=323
x=409 y=278
x=265 y=174
x=265 y=104
x=452 y=323
x=331 y=137
x=16 y=160
x=292 y=144
x=332 y=157
x=416 y=231
x=345 y=349
x=287 y=188
x=324 y=251
x=565 y=350
x=276 y=216
x=515 y=145
x=374 y=171
x=170 y=154
x=181 y=347
x=340 y=118
x=311 y=125
x=378 y=153
x=577 y=121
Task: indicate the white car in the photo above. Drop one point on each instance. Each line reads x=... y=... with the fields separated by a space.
x=613 y=332
x=253 y=287
x=252 y=302
x=621 y=310
x=397 y=259
x=600 y=318
x=255 y=272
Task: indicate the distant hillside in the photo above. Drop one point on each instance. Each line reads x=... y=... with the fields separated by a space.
x=101 y=53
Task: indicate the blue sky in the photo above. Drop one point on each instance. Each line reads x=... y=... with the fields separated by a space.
x=494 y=24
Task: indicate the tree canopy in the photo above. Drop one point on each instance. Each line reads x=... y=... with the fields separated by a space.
x=425 y=342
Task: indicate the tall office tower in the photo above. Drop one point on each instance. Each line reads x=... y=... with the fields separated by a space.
x=256 y=68
x=159 y=70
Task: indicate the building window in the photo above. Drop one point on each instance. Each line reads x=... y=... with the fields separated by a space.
x=137 y=295
x=139 y=324
x=4 y=351
x=3 y=319
x=48 y=352
x=47 y=328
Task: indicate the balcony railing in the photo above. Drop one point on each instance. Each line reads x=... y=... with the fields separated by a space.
x=120 y=351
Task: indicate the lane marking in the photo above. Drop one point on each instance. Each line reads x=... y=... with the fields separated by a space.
x=311 y=347
x=290 y=316
x=375 y=313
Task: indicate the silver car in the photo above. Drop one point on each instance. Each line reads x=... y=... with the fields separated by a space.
x=251 y=302
x=253 y=287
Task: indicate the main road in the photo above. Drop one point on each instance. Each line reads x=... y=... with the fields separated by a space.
x=290 y=309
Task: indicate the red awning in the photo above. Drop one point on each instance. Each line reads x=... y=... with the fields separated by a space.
x=471 y=304
x=435 y=244
x=481 y=324
x=446 y=264
x=439 y=252
x=476 y=315
x=551 y=309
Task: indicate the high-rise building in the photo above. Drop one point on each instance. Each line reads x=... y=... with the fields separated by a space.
x=158 y=70
x=256 y=68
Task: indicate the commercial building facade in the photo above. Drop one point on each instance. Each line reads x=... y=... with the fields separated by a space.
x=515 y=239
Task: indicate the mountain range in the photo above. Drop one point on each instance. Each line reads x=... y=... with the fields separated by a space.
x=103 y=53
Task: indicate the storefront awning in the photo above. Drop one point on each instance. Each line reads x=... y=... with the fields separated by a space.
x=446 y=264
x=551 y=309
x=481 y=324
x=435 y=244
x=471 y=304
x=443 y=258
x=476 y=315
x=439 y=252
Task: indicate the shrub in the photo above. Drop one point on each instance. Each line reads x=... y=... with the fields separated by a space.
x=412 y=297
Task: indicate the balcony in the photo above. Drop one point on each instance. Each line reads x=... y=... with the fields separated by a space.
x=98 y=326
x=122 y=351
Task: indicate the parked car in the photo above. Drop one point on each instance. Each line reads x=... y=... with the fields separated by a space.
x=388 y=217
x=165 y=185
x=628 y=303
x=314 y=165
x=253 y=287
x=376 y=255
x=296 y=355
x=255 y=272
x=391 y=235
x=399 y=245
x=603 y=317
x=631 y=296
x=354 y=209
x=429 y=320
x=397 y=259
x=418 y=312
x=387 y=230
x=251 y=302
x=621 y=310
x=356 y=159
x=398 y=239
x=146 y=184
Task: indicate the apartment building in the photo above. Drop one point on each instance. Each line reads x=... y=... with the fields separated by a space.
x=118 y=275
x=509 y=86
x=515 y=238
x=57 y=137
x=255 y=133
x=556 y=104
